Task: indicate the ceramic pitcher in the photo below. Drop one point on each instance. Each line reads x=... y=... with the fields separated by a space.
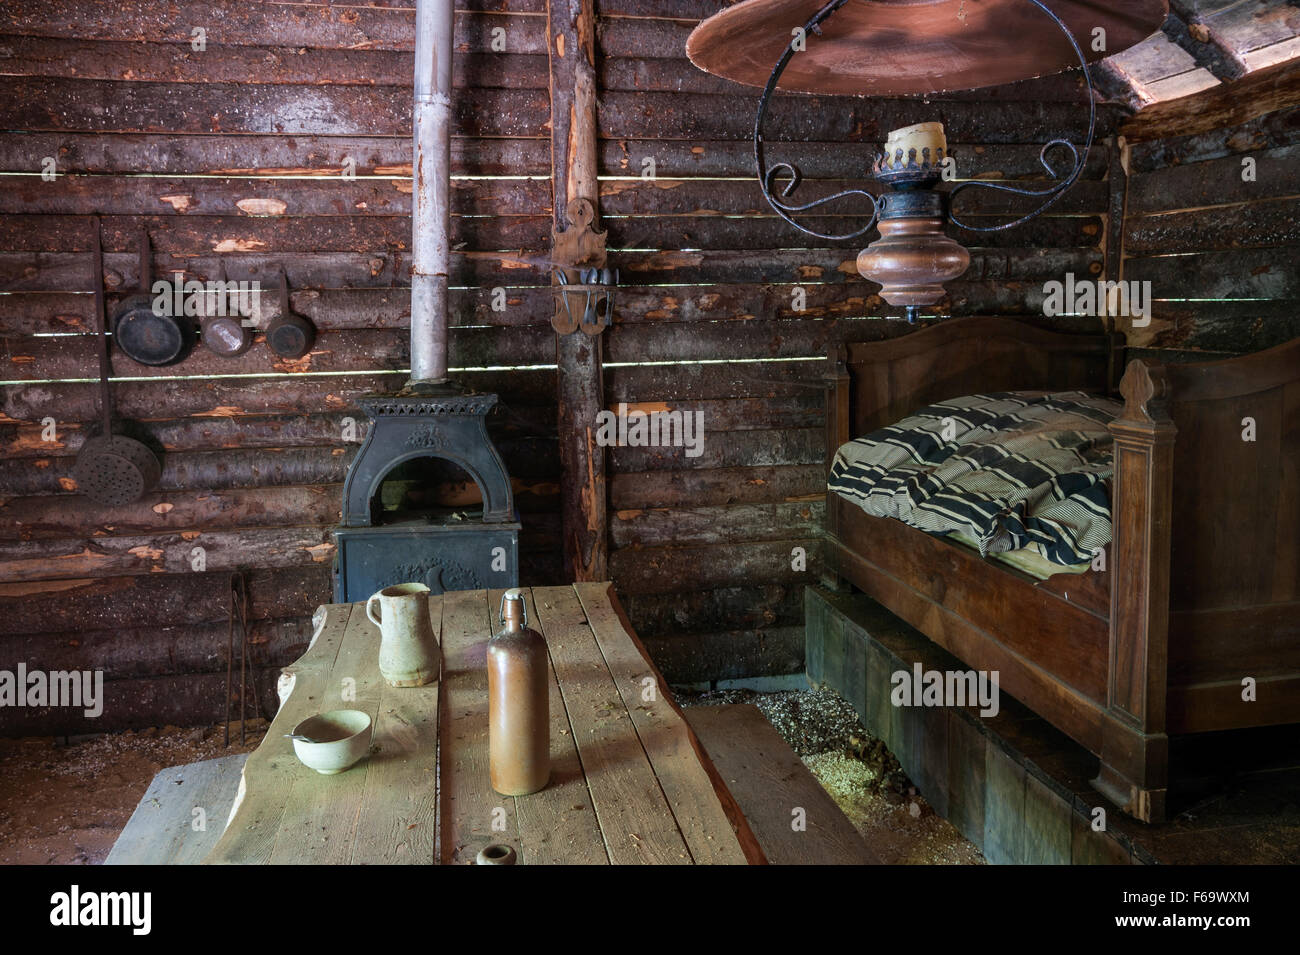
x=408 y=649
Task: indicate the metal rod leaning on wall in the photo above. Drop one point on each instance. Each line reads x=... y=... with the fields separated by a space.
x=431 y=188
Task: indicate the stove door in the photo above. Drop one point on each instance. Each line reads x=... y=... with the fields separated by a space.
x=474 y=557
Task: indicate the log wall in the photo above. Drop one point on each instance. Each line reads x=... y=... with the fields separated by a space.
x=1213 y=222
x=233 y=157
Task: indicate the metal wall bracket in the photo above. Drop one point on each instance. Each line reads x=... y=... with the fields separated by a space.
x=583 y=298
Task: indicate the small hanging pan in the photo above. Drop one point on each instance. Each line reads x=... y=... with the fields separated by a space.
x=290 y=335
x=111 y=469
x=144 y=333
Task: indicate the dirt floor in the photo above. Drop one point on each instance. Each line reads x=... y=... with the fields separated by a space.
x=861 y=775
x=65 y=802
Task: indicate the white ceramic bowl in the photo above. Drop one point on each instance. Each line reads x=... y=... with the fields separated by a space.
x=343 y=738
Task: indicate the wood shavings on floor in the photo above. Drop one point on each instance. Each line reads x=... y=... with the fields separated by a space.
x=858 y=771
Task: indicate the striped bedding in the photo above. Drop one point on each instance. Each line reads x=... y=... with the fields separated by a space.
x=1008 y=469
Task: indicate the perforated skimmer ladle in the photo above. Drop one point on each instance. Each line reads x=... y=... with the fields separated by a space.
x=111 y=469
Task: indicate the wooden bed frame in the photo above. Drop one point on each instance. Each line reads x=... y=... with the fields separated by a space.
x=1201 y=588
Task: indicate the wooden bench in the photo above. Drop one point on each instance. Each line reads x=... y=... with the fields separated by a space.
x=165 y=828
x=771 y=783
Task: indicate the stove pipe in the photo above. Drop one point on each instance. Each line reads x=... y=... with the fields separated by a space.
x=431 y=190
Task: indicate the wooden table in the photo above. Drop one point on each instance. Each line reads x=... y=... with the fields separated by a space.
x=630 y=782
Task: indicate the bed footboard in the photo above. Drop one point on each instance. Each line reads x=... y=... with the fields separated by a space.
x=1134 y=746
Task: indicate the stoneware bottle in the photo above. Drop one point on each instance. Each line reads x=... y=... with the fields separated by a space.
x=408 y=649
x=519 y=739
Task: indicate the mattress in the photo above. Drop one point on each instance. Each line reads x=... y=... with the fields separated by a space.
x=1009 y=472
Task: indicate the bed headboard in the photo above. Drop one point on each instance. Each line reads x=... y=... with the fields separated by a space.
x=871 y=384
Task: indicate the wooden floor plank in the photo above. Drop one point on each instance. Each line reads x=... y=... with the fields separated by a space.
x=399 y=823
x=772 y=784
x=558 y=825
x=472 y=815
x=249 y=837
x=162 y=831
x=635 y=819
x=683 y=768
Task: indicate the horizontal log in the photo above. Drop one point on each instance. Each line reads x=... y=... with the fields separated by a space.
x=717 y=486
x=218 y=551
x=742 y=414
x=43 y=104
x=693 y=116
x=272 y=547
x=745 y=608
x=51 y=517
x=168 y=511
x=1281 y=128
x=235 y=396
x=684 y=382
x=1250 y=225
x=762 y=234
x=266 y=202
x=727 y=449
x=192 y=699
x=210 y=433
x=816 y=160
x=662 y=527
x=256 y=155
x=310 y=26
x=179 y=63
x=669 y=570
x=534 y=458
x=85 y=606
x=1240 y=274
x=730 y=655
x=727 y=197
x=775 y=264
x=62 y=271
x=1218 y=327
x=779 y=338
x=142 y=652
x=1216 y=182
x=351 y=350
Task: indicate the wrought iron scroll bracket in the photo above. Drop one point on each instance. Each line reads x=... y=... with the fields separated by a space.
x=1052 y=193
x=768 y=177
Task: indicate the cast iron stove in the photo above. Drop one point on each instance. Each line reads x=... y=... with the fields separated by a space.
x=445 y=549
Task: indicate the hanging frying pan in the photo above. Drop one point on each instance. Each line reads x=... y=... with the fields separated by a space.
x=111 y=469
x=141 y=331
x=289 y=335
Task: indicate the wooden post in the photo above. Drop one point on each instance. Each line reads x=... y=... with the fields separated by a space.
x=571 y=41
x=1135 y=750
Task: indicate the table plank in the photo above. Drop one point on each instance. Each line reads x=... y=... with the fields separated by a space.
x=705 y=811
x=322 y=813
x=634 y=816
x=469 y=808
x=267 y=779
x=399 y=822
x=557 y=826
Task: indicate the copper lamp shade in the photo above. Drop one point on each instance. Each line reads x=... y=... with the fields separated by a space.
x=900 y=47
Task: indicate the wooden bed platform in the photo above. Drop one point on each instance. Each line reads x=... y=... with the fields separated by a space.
x=1201 y=590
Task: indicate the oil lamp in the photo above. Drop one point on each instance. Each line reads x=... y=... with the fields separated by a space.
x=908 y=47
